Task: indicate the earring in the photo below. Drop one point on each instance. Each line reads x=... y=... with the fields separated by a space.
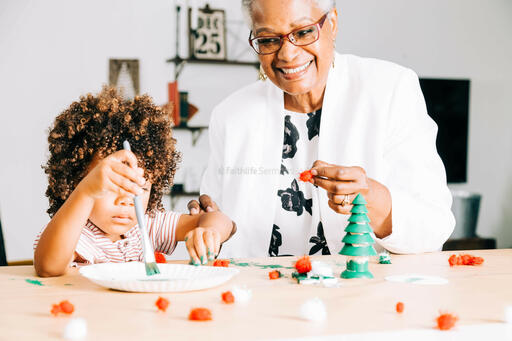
x=261 y=74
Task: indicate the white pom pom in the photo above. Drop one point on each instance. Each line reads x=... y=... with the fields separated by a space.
x=321 y=269
x=241 y=295
x=508 y=314
x=313 y=310
x=76 y=329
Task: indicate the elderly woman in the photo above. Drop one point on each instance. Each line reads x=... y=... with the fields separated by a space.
x=360 y=124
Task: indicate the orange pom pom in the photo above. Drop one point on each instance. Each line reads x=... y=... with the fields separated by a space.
x=274 y=274
x=477 y=260
x=162 y=304
x=66 y=307
x=159 y=257
x=303 y=265
x=452 y=260
x=200 y=314
x=446 y=321
x=399 y=307
x=221 y=262
x=227 y=297
x=465 y=259
x=306 y=176
x=55 y=309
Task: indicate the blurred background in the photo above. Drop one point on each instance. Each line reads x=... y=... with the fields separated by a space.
x=51 y=52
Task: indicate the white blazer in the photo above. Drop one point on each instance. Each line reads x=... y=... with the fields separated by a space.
x=373 y=116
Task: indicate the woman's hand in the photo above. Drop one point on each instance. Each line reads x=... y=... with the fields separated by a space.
x=203 y=244
x=205 y=204
x=344 y=183
x=116 y=173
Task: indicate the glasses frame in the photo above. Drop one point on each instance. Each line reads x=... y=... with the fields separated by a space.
x=319 y=24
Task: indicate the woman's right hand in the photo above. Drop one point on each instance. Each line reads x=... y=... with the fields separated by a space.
x=205 y=204
x=116 y=173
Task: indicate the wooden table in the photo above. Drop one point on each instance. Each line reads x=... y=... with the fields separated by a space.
x=477 y=294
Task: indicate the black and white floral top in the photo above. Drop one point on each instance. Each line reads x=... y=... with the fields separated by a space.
x=294 y=231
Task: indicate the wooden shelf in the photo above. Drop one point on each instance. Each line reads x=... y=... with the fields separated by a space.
x=180 y=63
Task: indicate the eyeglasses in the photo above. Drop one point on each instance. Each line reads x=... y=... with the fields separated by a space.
x=300 y=37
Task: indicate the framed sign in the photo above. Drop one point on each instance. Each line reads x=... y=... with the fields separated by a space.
x=208 y=39
x=124 y=75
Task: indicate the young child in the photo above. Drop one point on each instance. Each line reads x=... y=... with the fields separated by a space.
x=92 y=182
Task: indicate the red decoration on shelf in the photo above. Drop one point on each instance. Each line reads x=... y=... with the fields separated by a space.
x=159 y=257
x=303 y=265
x=399 y=307
x=227 y=297
x=274 y=274
x=465 y=259
x=162 y=304
x=306 y=176
x=64 y=307
x=200 y=314
x=221 y=262
x=446 y=321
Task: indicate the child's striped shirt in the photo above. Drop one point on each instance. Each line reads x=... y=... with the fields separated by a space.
x=95 y=247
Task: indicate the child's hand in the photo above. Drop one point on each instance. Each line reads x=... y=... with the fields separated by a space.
x=203 y=244
x=116 y=173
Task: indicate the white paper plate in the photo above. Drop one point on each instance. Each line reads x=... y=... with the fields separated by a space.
x=131 y=276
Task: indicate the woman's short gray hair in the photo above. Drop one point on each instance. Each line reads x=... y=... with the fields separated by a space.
x=325 y=5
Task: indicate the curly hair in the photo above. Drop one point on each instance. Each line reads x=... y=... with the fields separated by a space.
x=96 y=126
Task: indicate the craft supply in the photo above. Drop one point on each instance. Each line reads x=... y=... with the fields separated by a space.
x=321 y=269
x=306 y=176
x=358 y=242
x=508 y=315
x=303 y=265
x=242 y=295
x=313 y=310
x=162 y=304
x=200 y=314
x=399 y=307
x=384 y=258
x=64 y=307
x=131 y=276
x=221 y=262
x=227 y=297
x=274 y=274
x=464 y=259
x=149 y=256
x=76 y=329
x=160 y=257
x=446 y=321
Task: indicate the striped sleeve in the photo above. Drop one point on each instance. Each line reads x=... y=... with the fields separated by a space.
x=38 y=237
x=85 y=247
x=162 y=231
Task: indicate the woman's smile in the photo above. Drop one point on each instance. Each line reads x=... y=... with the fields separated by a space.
x=294 y=72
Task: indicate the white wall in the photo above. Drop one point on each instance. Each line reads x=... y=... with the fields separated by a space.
x=453 y=39
x=54 y=51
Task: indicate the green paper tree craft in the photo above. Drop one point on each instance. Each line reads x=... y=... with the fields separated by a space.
x=358 y=241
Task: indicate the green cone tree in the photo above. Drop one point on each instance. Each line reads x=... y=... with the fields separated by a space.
x=358 y=241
